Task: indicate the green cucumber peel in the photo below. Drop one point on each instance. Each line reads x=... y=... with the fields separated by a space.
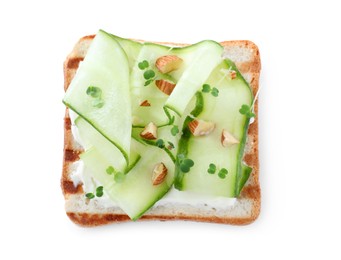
x=183 y=142
x=125 y=155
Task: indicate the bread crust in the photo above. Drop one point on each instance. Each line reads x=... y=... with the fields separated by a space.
x=251 y=193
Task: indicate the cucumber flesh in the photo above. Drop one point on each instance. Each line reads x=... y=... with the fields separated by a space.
x=131 y=48
x=224 y=112
x=105 y=67
x=208 y=55
x=90 y=138
x=154 y=113
x=136 y=194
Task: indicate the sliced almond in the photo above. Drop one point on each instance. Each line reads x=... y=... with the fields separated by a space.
x=233 y=74
x=149 y=132
x=165 y=86
x=200 y=127
x=228 y=139
x=168 y=63
x=145 y=103
x=159 y=173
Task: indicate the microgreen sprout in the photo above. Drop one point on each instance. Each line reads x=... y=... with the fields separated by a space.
x=160 y=143
x=170 y=145
x=99 y=191
x=90 y=195
x=186 y=164
x=247 y=111
x=143 y=65
x=110 y=170
x=96 y=94
x=175 y=130
x=222 y=173
x=206 y=88
x=215 y=92
x=149 y=74
x=212 y=168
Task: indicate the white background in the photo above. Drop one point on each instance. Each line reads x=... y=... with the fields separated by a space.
x=299 y=116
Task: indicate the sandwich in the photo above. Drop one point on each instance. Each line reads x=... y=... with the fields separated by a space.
x=161 y=131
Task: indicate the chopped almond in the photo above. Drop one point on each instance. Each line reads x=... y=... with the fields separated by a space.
x=149 y=132
x=228 y=139
x=201 y=127
x=233 y=74
x=145 y=103
x=165 y=86
x=168 y=63
x=159 y=173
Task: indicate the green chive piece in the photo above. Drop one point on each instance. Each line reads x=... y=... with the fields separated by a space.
x=90 y=195
x=149 y=74
x=206 y=88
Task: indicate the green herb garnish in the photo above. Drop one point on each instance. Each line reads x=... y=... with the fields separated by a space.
x=160 y=143
x=149 y=74
x=247 y=111
x=222 y=173
x=99 y=191
x=186 y=164
x=212 y=168
x=94 y=92
x=143 y=65
x=110 y=170
x=206 y=88
x=215 y=92
x=175 y=130
x=170 y=145
x=90 y=195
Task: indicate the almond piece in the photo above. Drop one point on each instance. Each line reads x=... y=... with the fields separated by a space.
x=165 y=86
x=233 y=74
x=201 y=127
x=149 y=132
x=159 y=173
x=228 y=139
x=168 y=63
x=145 y=103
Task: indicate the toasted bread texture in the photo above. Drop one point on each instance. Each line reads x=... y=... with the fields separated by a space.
x=246 y=209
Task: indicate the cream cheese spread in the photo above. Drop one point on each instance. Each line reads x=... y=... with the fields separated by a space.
x=80 y=174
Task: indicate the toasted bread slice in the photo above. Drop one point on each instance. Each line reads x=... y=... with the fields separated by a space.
x=246 y=209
